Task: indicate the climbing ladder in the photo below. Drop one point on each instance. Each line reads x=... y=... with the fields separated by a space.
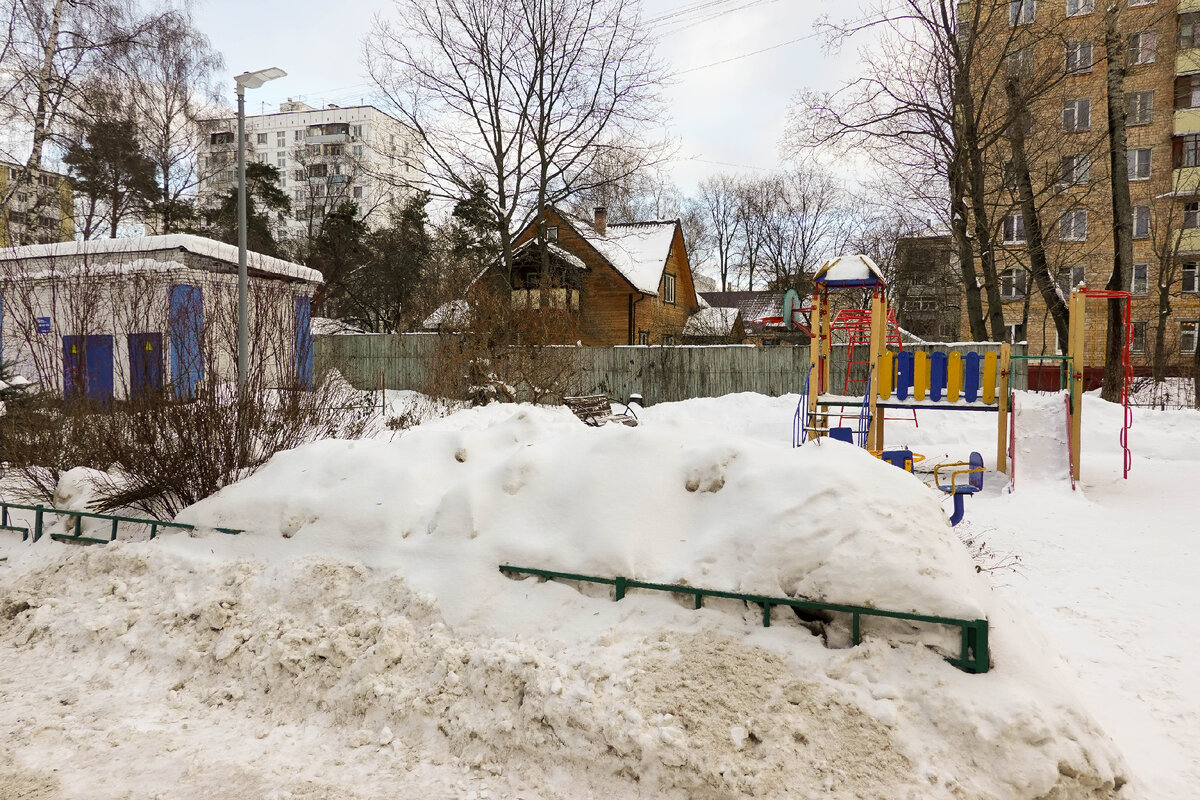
x=856 y=323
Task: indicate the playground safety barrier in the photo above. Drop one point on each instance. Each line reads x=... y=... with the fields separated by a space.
x=973 y=655
x=77 y=537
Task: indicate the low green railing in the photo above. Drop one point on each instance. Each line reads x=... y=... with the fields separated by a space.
x=973 y=656
x=77 y=537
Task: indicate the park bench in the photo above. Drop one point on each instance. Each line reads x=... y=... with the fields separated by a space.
x=596 y=410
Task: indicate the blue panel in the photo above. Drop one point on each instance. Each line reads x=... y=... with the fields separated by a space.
x=186 y=327
x=938 y=363
x=304 y=343
x=904 y=373
x=99 y=369
x=74 y=368
x=145 y=365
x=971 y=377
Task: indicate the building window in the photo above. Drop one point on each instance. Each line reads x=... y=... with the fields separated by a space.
x=1139 y=284
x=1187 y=336
x=358 y=150
x=1191 y=276
x=1009 y=175
x=1014 y=229
x=262 y=138
x=1191 y=215
x=1077 y=8
x=643 y=337
x=1012 y=284
x=1070 y=277
x=280 y=138
x=1187 y=151
x=669 y=288
x=318 y=170
x=1138 y=345
x=1139 y=164
x=552 y=233
x=1141 y=108
x=1077 y=115
x=356 y=131
x=1021 y=12
x=222 y=137
x=1187 y=90
x=1020 y=62
x=1074 y=170
x=358 y=192
x=281 y=161
x=668 y=340
x=1189 y=30
x=1079 y=56
x=1015 y=333
x=298 y=135
x=261 y=158
x=1140 y=48
x=1072 y=225
x=1141 y=222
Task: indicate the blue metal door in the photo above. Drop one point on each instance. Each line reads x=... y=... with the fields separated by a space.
x=88 y=368
x=145 y=365
x=186 y=325
x=304 y=343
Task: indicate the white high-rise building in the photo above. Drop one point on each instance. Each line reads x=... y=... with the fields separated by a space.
x=325 y=156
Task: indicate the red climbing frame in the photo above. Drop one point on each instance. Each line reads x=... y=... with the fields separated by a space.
x=1126 y=367
x=856 y=322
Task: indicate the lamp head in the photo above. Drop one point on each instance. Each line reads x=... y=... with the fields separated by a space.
x=253 y=80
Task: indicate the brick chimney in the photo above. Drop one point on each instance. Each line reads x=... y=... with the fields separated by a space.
x=601 y=221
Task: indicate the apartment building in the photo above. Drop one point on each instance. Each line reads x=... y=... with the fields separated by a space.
x=325 y=156
x=1059 y=46
x=39 y=211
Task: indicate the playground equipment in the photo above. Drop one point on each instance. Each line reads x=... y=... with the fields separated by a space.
x=1077 y=354
x=973 y=469
x=895 y=380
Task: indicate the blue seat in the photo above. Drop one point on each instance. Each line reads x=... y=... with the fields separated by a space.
x=973 y=469
x=842 y=434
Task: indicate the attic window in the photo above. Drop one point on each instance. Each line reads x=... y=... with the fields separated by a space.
x=668 y=288
x=552 y=234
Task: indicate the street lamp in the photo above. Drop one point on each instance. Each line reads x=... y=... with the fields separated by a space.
x=247 y=80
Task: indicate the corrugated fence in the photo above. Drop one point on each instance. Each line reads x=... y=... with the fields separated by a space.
x=659 y=374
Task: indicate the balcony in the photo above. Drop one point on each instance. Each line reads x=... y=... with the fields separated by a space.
x=1185 y=180
x=327 y=138
x=1187 y=61
x=1187 y=120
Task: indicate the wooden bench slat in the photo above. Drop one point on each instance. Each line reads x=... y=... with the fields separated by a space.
x=596 y=410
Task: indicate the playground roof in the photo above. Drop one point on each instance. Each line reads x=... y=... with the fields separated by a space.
x=849 y=271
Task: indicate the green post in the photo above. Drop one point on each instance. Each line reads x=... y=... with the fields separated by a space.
x=37 y=523
x=766 y=615
x=113 y=537
x=855 y=631
x=619 y=589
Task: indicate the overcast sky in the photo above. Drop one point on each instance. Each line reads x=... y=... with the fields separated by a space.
x=727 y=117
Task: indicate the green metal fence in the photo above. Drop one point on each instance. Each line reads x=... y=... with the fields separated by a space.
x=973 y=656
x=77 y=537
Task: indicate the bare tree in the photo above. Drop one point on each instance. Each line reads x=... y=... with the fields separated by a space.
x=719 y=200
x=521 y=95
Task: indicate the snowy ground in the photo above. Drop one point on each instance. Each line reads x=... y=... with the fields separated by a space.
x=358 y=641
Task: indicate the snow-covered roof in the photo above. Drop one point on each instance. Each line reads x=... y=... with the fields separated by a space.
x=851 y=270
x=197 y=245
x=637 y=250
x=711 y=322
x=325 y=326
x=456 y=313
x=556 y=250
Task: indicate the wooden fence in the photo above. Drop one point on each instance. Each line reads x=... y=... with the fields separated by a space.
x=659 y=374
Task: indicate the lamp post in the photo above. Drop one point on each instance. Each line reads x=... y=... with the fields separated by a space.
x=247 y=80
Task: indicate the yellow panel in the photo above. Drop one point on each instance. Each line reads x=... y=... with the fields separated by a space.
x=1185 y=179
x=989 y=378
x=920 y=374
x=1187 y=121
x=1188 y=240
x=1187 y=61
x=887 y=366
x=1188 y=5
x=954 y=377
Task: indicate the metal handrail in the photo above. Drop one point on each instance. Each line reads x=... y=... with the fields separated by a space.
x=77 y=536
x=973 y=656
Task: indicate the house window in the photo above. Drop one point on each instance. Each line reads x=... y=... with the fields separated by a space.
x=1139 y=283
x=643 y=337
x=1138 y=345
x=1077 y=8
x=1187 y=336
x=1191 y=276
x=1191 y=215
x=1074 y=170
x=358 y=150
x=1141 y=222
x=1140 y=48
x=1014 y=333
x=1077 y=115
x=1139 y=164
x=668 y=340
x=318 y=170
x=261 y=158
x=669 y=288
x=1020 y=62
x=552 y=233
x=358 y=192
x=1141 y=108
x=1014 y=229
x=1187 y=150
x=1189 y=30
x=1021 y=12
x=1187 y=90
x=1012 y=284
x=356 y=131
x=1079 y=56
x=1072 y=225
x=1070 y=277
x=262 y=138
x=280 y=161
x=297 y=135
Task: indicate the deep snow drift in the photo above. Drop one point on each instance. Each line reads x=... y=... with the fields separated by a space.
x=358 y=641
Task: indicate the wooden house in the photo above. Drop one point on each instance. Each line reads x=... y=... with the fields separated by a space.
x=627 y=283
